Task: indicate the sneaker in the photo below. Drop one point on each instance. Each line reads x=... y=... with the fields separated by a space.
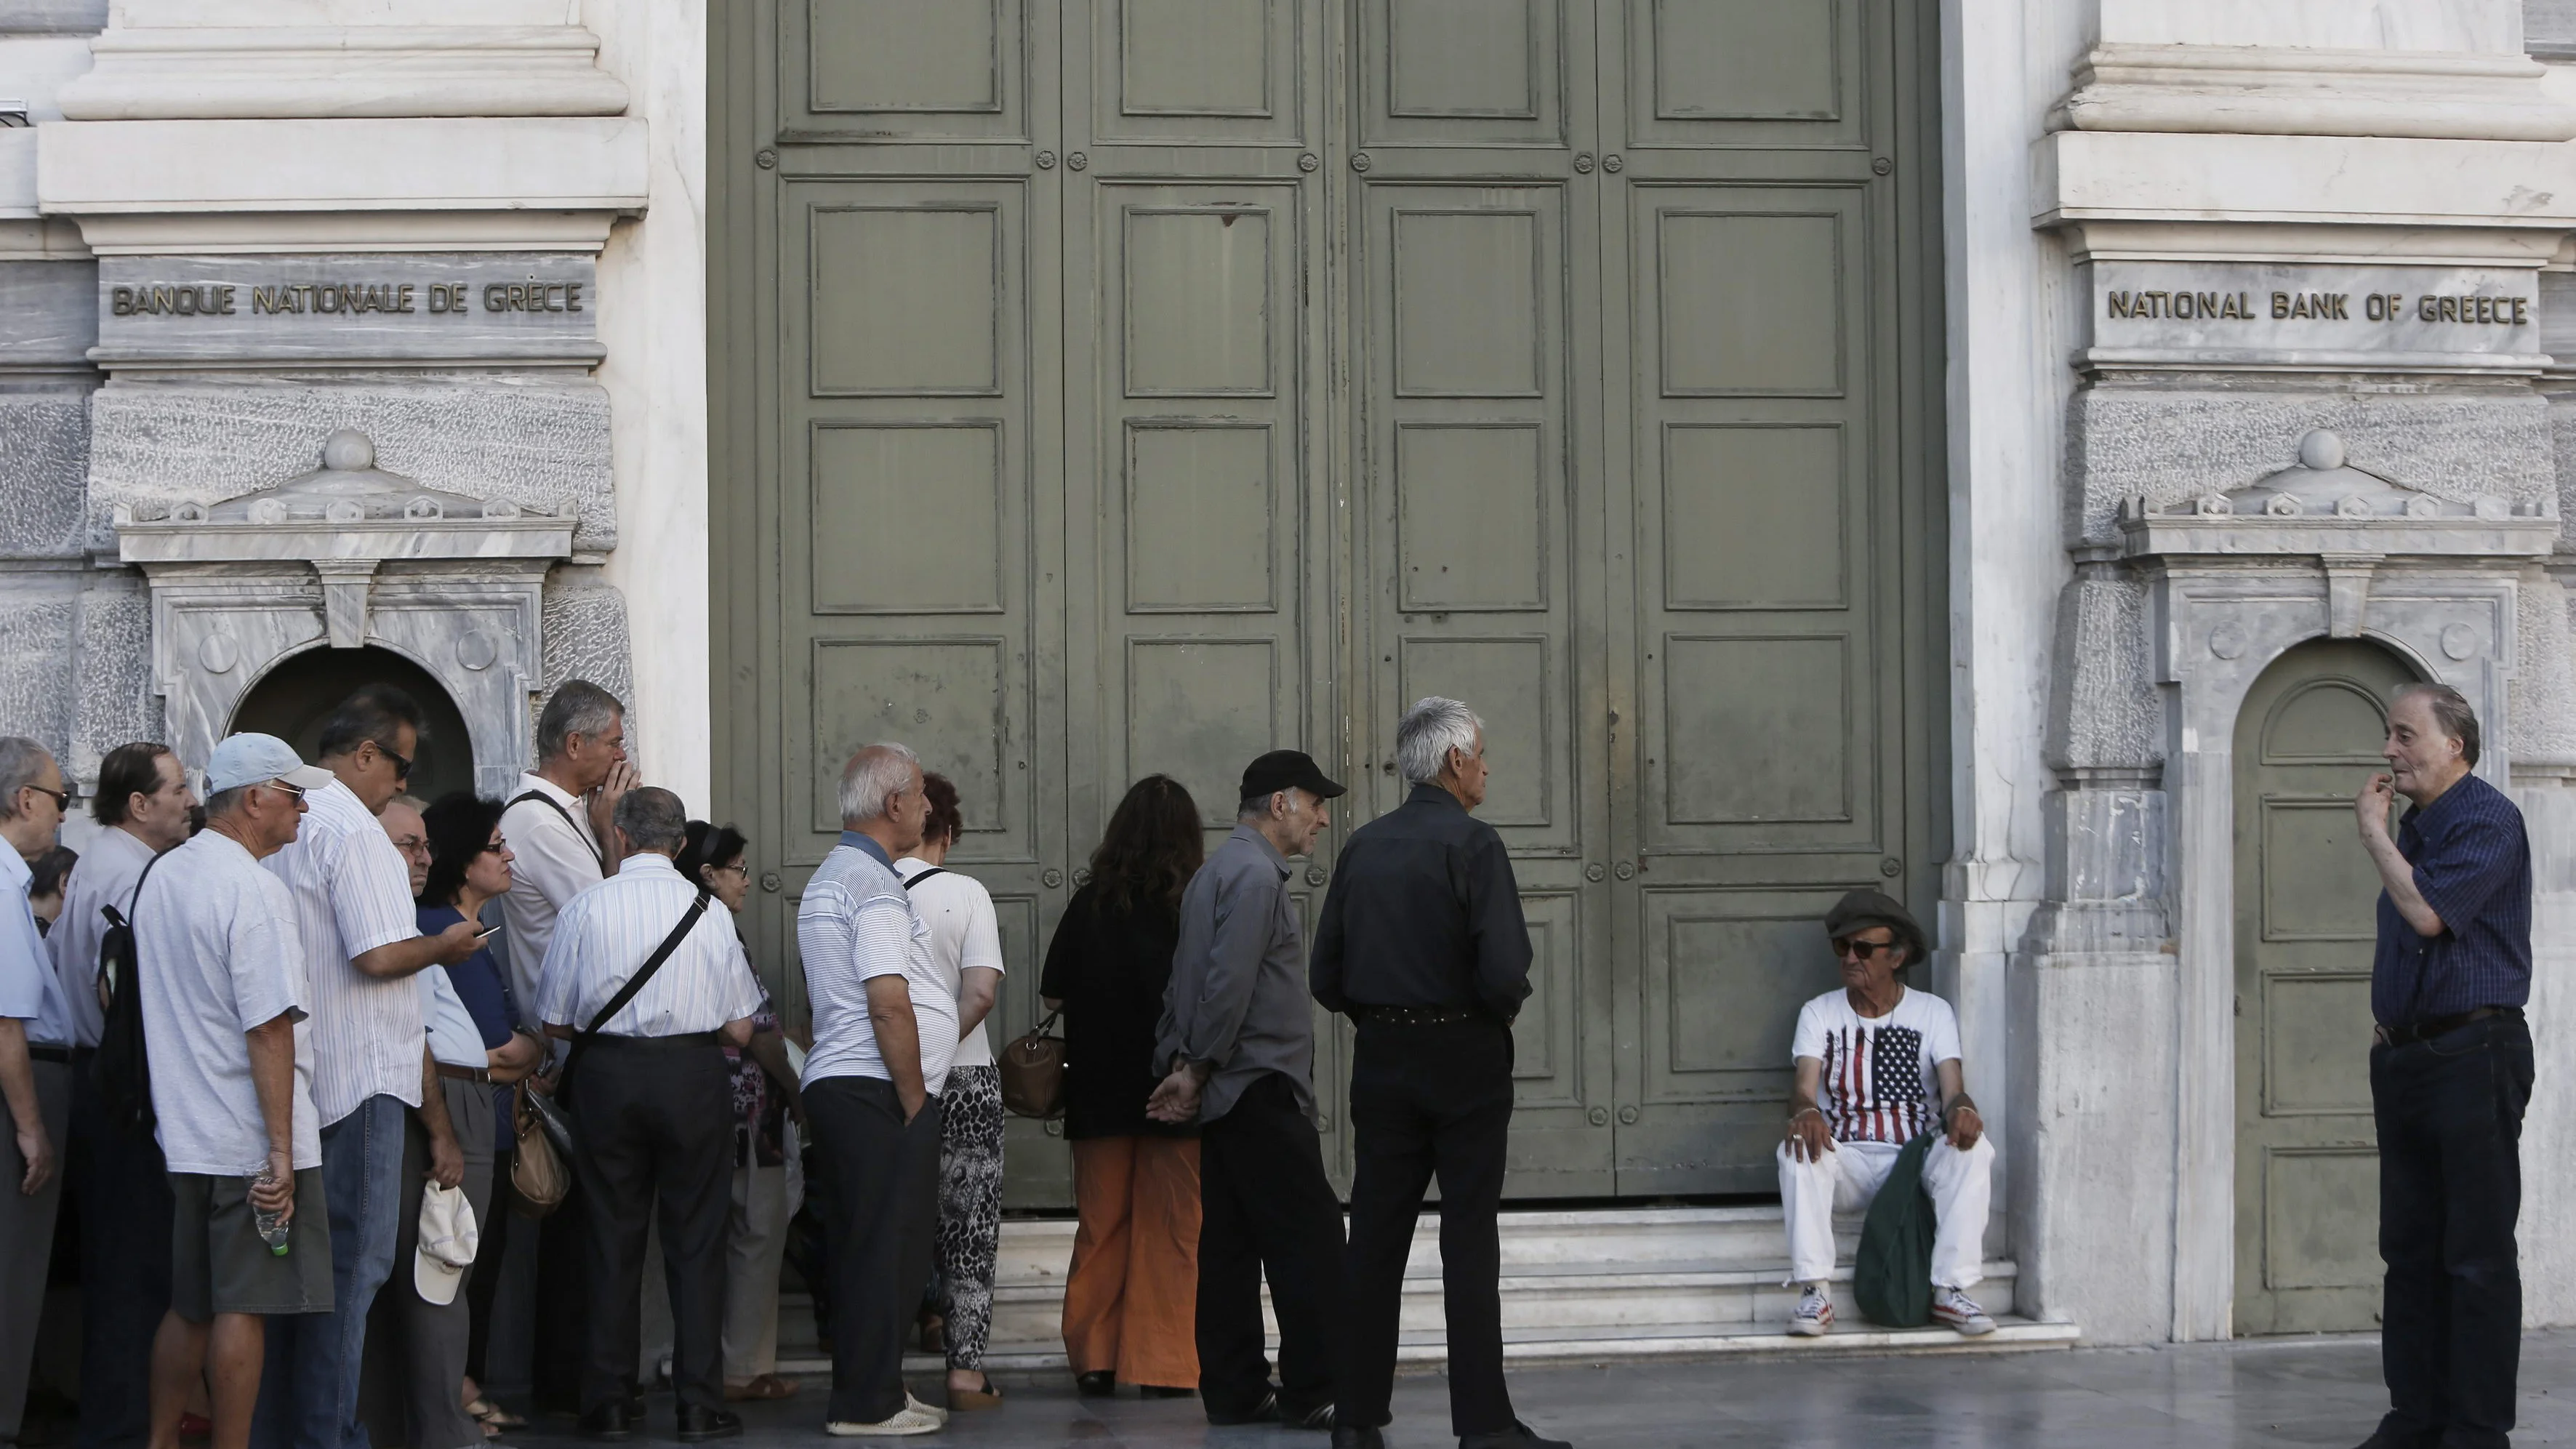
x=1957 y=1309
x=938 y=1415
x=1815 y=1315
x=906 y=1421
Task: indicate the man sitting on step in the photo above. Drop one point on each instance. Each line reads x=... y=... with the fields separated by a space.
x=1872 y=1060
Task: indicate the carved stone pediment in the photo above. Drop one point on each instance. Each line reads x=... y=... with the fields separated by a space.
x=2323 y=507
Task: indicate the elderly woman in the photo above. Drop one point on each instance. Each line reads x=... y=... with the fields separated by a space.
x=1878 y=1066
x=421 y=1327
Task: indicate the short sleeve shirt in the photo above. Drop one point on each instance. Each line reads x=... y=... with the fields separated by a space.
x=29 y=989
x=105 y=877
x=352 y=894
x=857 y=923
x=964 y=934
x=607 y=934
x=1878 y=1083
x=215 y=942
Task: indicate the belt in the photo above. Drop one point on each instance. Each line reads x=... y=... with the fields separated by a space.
x=685 y=1038
x=50 y=1053
x=2430 y=1027
x=465 y=1074
x=1417 y=1015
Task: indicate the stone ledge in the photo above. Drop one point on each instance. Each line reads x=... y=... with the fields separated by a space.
x=2363 y=181
x=236 y=71
x=2315 y=91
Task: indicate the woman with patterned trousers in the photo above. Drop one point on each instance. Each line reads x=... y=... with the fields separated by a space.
x=966 y=943
x=1131 y=1296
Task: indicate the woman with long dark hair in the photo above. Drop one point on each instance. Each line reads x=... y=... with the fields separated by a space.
x=1129 y=1297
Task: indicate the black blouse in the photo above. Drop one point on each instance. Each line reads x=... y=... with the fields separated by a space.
x=1109 y=968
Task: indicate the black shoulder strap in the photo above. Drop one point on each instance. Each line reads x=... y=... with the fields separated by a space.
x=925 y=875
x=551 y=803
x=120 y=920
x=635 y=983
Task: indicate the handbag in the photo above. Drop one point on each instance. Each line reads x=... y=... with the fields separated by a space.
x=537 y=1169
x=555 y=1112
x=1032 y=1070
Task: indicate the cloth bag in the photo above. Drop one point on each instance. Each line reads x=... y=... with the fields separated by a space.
x=1032 y=1072
x=1892 y=1273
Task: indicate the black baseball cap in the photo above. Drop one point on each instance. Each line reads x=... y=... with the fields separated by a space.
x=1284 y=770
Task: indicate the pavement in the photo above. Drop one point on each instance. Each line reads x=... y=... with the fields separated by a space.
x=2316 y=1391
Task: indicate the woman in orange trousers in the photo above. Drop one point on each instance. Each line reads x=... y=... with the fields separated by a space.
x=1130 y=1298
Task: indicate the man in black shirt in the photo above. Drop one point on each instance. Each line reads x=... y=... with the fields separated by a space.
x=1422 y=944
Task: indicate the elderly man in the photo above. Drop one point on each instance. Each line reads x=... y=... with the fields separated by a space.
x=557 y=824
x=2450 y=1074
x=36 y=1038
x=885 y=1027
x=362 y=945
x=648 y=1082
x=119 y=1185
x=1238 y=1038
x=224 y=986
x=1878 y=1066
x=1422 y=944
x=405 y=827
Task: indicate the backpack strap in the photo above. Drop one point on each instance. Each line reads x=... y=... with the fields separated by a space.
x=925 y=875
x=124 y=920
x=551 y=803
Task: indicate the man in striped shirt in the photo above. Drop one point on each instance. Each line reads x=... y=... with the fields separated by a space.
x=1872 y=1060
x=2450 y=1074
x=654 y=1098
x=362 y=945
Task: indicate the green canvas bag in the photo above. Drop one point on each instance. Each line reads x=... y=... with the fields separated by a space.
x=1892 y=1275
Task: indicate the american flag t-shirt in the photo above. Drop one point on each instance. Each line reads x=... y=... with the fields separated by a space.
x=1877 y=1081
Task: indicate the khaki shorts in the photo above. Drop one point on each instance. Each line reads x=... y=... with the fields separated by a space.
x=218 y=1263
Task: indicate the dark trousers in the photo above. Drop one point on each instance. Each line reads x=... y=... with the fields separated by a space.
x=1424 y=1100
x=121 y=1190
x=2449 y=1113
x=880 y=1220
x=653 y=1126
x=485 y=1280
x=1266 y=1206
x=559 y=1346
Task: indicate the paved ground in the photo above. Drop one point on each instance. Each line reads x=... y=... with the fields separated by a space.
x=2309 y=1392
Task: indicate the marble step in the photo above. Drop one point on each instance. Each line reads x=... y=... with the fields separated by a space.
x=1576 y=1286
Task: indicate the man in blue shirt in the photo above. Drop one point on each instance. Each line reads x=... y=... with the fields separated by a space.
x=35 y=1065
x=2450 y=1075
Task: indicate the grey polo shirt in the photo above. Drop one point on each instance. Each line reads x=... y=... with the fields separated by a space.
x=1237 y=997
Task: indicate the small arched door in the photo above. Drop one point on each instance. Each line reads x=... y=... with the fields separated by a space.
x=2307 y=1161
x=294 y=700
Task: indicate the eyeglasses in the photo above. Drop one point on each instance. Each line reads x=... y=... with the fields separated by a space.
x=62 y=798
x=737 y=868
x=1862 y=950
x=493 y=847
x=291 y=792
x=402 y=766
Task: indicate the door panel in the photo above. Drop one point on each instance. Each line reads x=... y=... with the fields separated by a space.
x=905 y=70
x=2307 y=1191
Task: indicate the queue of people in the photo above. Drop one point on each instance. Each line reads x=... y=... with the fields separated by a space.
x=289 y=1047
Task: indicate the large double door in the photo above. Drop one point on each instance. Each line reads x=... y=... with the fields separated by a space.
x=1137 y=385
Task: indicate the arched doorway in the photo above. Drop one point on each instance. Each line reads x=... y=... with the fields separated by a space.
x=2307 y=1175
x=292 y=701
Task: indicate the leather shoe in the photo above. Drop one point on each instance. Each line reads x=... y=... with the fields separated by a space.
x=1347 y=1437
x=1518 y=1436
x=699 y=1423
x=1097 y=1384
x=610 y=1423
x=1264 y=1412
x=1318 y=1418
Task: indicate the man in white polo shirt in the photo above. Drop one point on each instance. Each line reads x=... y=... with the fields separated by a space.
x=362 y=945
x=216 y=948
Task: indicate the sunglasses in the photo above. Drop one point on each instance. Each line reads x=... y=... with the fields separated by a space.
x=291 y=792
x=62 y=798
x=1862 y=950
x=402 y=765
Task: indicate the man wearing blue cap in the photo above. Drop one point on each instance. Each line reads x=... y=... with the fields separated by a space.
x=223 y=973
x=1239 y=1041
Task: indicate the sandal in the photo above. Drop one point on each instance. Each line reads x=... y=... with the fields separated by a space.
x=987 y=1397
x=492 y=1416
x=766 y=1386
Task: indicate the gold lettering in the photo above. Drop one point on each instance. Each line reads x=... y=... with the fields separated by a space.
x=2280 y=305
x=2521 y=311
x=120 y=301
x=492 y=300
x=402 y=296
x=572 y=296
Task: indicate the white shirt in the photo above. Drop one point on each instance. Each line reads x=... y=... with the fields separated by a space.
x=353 y=894
x=454 y=1039
x=963 y=935
x=1878 y=1083
x=557 y=860
x=856 y=923
x=604 y=937
x=215 y=941
x=29 y=989
x=104 y=877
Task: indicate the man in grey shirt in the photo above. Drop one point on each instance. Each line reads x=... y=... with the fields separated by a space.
x=1238 y=1038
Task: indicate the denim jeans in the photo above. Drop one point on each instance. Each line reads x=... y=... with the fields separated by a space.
x=2449 y=1113
x=308 y=1391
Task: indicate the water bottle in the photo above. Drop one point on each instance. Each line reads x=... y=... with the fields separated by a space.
x=272 y=1226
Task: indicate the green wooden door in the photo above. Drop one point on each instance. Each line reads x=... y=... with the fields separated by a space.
x=1112 y=386
x=2307 y=1169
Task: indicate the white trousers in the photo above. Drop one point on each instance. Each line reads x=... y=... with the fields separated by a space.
x=1848 y=1178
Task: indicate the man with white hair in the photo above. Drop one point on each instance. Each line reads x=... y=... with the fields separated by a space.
x=1422 y=944
x=885 y=1026
x=36 y=1037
